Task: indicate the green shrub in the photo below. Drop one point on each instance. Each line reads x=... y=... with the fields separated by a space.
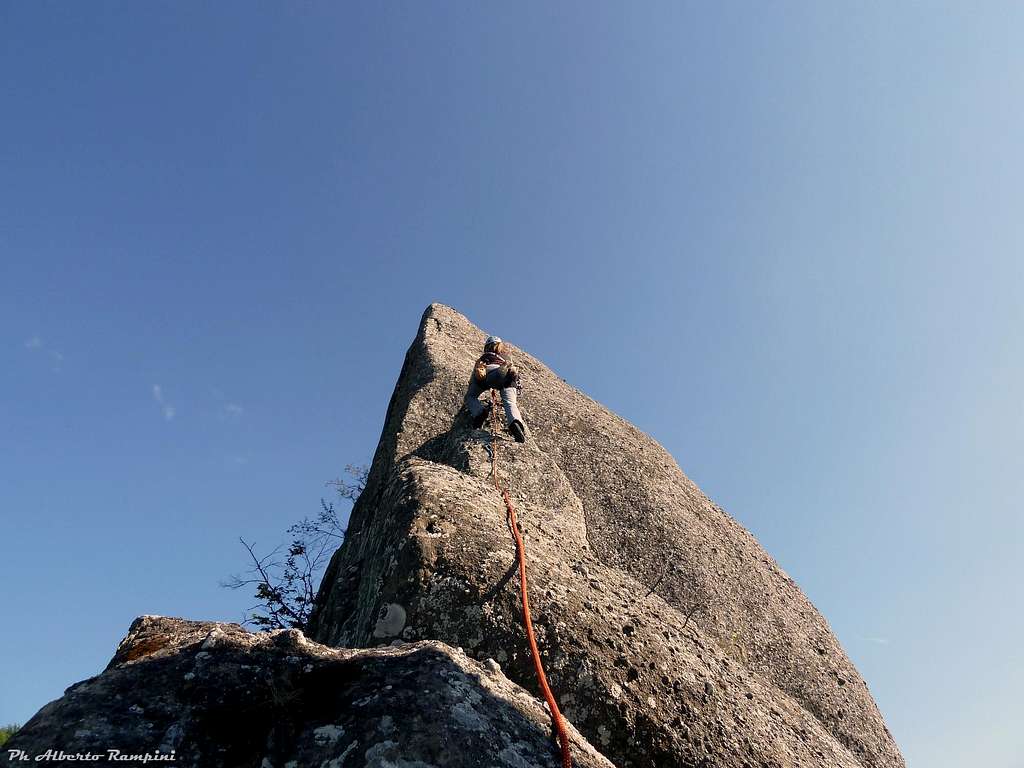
x=6 y=731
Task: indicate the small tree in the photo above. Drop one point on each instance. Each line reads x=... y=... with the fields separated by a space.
x=286 y=580
x=6 y=731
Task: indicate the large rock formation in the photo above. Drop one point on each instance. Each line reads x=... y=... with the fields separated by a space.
x=197 y=695
x=671 y=637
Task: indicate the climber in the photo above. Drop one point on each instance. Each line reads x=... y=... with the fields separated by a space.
x=494 y=370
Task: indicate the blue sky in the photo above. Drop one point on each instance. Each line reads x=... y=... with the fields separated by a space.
x=783 y=239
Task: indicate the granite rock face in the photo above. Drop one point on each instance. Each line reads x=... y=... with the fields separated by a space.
x=669 y=635
x=213 y=695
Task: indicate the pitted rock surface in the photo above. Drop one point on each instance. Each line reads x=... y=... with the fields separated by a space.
x=219 y=696
x=670 y=636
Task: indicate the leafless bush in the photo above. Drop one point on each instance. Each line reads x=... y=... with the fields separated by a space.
x=286 y=579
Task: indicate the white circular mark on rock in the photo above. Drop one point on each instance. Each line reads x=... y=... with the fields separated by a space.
x=327 y=734
x=391 y=621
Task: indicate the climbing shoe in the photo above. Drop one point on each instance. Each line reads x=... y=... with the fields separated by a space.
x=518 y=431
x=478 y=421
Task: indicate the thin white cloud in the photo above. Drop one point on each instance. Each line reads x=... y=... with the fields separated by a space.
x=227 y=410
x=35 y=341
x=878 y=640
x=167 y=408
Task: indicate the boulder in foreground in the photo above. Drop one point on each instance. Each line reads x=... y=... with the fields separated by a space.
x=218 y=696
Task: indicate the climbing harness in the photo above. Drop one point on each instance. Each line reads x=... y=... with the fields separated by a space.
x=556 y=715
x=491 y=366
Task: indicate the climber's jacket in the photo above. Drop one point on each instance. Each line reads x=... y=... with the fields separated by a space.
x=491 y=366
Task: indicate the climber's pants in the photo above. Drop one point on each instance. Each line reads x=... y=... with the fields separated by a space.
x=508 y=398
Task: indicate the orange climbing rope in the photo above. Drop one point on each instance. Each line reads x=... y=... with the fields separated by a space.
x=556 y=715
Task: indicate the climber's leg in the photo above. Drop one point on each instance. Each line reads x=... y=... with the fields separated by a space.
x=477 y=410
x=513 y=417
x=508 y=399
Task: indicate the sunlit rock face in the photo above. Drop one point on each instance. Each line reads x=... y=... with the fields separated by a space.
x=670 y=636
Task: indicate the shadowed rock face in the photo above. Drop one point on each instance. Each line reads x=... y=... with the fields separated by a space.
x=218 y=696
x=670 y=636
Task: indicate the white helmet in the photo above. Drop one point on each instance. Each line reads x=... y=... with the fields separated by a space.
x=492 y=340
